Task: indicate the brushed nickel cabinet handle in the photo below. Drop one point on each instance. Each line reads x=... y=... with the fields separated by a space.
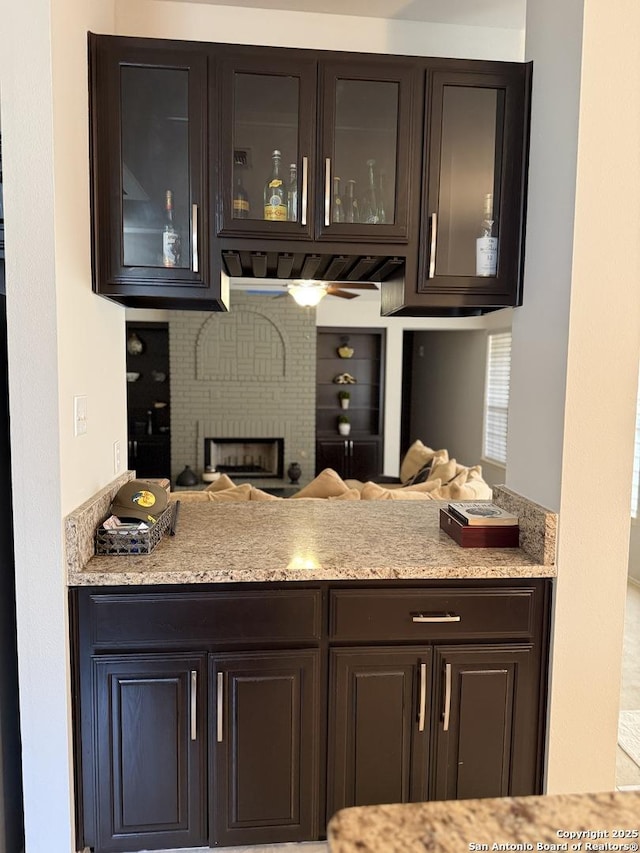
x=305 y=190
x=194 y=704
x=327 y=191
x=437 y=617
x=447 y=696
x=194 y=238
x=434 y=237
x=423 y=696
x=220 y=698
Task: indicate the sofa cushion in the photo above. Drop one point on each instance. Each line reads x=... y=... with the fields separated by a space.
x=260 y=495
x=416 y=457
x=235 y=493
x=328 y=484
x=374 y=492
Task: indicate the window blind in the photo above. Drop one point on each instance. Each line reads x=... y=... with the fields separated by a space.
x=496 y=399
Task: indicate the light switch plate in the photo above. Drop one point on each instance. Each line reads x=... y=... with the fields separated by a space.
x=80 y=415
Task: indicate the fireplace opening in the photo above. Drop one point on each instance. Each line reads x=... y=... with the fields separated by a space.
x=247 y=457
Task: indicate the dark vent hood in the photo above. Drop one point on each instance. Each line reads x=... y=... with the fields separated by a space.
x=330 y=267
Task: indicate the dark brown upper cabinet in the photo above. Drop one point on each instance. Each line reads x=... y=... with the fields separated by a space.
x=150 y=182
x=343 y=168
x=472 y=222
x=368 y=186
x=268 y=112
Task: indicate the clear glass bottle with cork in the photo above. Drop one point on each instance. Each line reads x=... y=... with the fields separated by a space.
x=275 y=193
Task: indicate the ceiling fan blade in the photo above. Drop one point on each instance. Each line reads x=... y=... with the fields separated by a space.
x=343 y=294
x=356 y=285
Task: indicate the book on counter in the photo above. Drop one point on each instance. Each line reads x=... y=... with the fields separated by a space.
x=482 y=514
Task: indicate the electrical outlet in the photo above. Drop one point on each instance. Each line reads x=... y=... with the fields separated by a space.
x=116 y=457
x=80 y=415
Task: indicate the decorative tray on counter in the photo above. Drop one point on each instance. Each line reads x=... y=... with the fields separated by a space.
x=127 y=542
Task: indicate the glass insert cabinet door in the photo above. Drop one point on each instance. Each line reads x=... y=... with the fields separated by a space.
x=367 y=126
x=267 y=109
x=468 y=229
x=150 y=163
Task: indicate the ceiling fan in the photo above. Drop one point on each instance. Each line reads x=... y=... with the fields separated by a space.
x=309 y=293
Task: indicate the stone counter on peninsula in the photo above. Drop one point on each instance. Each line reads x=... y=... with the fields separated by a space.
x=310 y=540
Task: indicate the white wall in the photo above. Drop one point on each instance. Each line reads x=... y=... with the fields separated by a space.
x=62 y=341
x=575 y=357
x=202 y=22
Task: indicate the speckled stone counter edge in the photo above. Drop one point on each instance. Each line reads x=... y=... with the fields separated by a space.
x=81 y=524
x=538 y=526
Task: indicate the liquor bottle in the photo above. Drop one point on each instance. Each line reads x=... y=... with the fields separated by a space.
x=382 y=204
x=240 y=200
x=292 y=194
x=171 y=244
x=486 y=244
x=275 y=194
x=369 y=212
x=337 y=210
x=351 y=213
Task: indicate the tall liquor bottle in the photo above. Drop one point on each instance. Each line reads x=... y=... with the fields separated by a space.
x=275 y=194
x=369 y=212
x=240 y=200
x=292 y=194
x=487 y=244
x=337 y=212
x=171 y=243
x=351 y=202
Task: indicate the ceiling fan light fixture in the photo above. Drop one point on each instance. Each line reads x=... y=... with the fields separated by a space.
x=308 y=293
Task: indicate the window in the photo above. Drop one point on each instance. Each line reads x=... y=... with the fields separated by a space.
x=635 y=482
x=496 y=397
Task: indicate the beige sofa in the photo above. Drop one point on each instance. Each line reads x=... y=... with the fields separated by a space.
x=425 y=474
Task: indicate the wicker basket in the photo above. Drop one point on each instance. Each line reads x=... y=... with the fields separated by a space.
x=110 y=542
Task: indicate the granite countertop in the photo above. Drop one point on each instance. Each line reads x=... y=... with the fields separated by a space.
x=313 y=540
x=571 y=822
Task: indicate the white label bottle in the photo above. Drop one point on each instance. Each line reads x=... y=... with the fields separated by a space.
x=486 y=244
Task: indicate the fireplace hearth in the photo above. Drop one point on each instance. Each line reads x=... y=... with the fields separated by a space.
x=245 y=457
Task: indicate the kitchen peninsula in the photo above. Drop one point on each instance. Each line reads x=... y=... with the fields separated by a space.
x=275 y=662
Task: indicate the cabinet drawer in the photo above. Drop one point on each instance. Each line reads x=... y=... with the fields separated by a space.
x=183 y=619
x=431 y=614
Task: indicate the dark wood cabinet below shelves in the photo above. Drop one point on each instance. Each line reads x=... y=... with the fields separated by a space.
x=352 y=458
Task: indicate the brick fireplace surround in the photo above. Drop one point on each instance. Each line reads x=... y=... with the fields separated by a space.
x=250 y=372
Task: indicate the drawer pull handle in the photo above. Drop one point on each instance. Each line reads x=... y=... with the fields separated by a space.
x=447 y=696
x=220 y=698
x=423 y=696
x=194 y=704
x=437 y=617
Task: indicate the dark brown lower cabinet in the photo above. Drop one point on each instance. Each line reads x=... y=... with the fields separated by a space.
x=150 y=727
x=264 y=736
x=379 y=725
x=488 y=705
x=215 y=714
x=356 y=458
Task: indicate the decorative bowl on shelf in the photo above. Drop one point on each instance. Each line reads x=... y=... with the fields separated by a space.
x=133 y=377
x=345 y=351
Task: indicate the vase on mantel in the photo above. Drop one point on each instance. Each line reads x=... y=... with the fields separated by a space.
x=294 y=472
x=187 y=477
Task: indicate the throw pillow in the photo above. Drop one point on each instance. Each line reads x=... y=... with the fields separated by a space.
x=416 y=457
x=420 y=476
x=223 y=482
x=442 y=469
x=328 y=484
x=349 y=495
x=188 y=497
x=235 y=493
x=259 y=495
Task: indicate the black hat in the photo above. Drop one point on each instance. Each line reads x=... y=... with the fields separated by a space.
x=140 y=499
